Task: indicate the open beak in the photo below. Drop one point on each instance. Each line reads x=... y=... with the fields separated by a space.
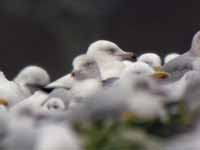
x=160 y=75
x=127 y=56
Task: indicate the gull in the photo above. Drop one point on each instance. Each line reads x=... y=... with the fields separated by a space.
x=84 y=80
x=170 y=57
x=10 y=92
x=142 y=93
x=111 y=101
x=135 y=97
x=152 y=59
x=185 y=62
x=109 y=57
x=32 y=78
x=82 y=64
x=134 y=70
x=24 y=85
x=139 y=69
x=184 y=90
x=173 y=91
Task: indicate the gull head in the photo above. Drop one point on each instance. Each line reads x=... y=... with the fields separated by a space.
x=103 y=50
x=132 y=73
x=138 y=69
x=151 y=59
x=33 y=76
x=195 y=47
x=86 y=76
x=109 y=57
x=85 y=67
x=170 y=57
x=54 y=104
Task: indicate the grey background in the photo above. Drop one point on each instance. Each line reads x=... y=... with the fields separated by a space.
x=50 y=33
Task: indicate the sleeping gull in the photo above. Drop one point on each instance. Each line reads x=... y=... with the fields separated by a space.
x=185 y=62
x=32 y=78
x=10 y=92
x=109 y=57
x=152 y=59
x=170 y=57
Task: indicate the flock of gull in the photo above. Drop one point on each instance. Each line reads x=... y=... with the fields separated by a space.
x=106 y=82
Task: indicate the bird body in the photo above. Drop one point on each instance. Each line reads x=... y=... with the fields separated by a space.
x=11 y=91
x=185 y=62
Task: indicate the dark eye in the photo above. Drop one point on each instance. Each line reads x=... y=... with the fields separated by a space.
x=55 y=106
x=112 y=50
x=88 y=64
x=73 y=74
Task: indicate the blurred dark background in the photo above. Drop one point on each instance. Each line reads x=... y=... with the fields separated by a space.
x=50 y=33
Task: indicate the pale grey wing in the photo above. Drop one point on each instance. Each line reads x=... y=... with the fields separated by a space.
x=179 y=66
x=109 y=82
x=192 y=94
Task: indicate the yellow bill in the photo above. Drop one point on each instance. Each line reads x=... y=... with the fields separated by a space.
x=160 y=75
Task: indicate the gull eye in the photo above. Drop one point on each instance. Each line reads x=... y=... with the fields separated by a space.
x=55 y=106
x=73 y=74
x=88 y=64
x=112 y=50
